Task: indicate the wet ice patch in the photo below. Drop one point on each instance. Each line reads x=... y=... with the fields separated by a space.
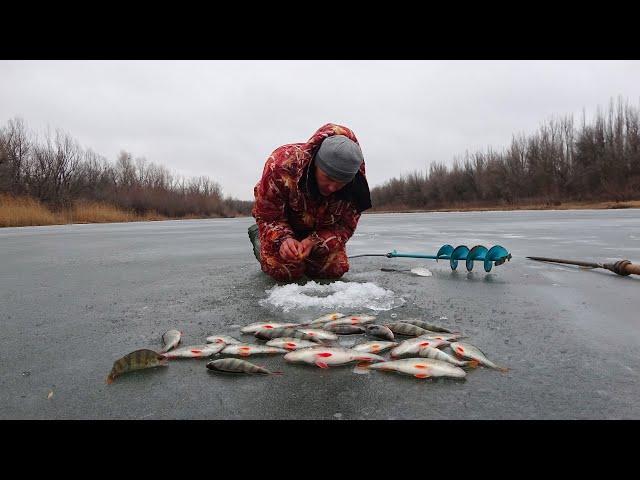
x=361 y=370
x=337 y=295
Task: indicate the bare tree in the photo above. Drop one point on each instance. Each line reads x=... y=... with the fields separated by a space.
x=600 y=160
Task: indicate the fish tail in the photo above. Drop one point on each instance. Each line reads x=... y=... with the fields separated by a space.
x=502 y=369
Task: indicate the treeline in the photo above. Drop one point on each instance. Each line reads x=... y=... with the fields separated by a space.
x=58 y=172
x=560 y=162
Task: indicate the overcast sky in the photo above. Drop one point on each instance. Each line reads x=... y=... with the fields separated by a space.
x=224 y=118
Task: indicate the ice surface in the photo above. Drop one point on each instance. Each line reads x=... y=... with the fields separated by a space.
x=337 y=295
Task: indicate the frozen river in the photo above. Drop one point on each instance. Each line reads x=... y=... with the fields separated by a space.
x=75 y=298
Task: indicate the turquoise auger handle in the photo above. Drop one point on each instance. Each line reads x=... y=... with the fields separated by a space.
x=495 y=255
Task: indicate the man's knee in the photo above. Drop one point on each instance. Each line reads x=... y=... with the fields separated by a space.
x=335 y=265
x=285 y=275
x=331 y=274
x=280 y=270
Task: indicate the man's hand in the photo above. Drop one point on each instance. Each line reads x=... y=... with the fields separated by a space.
x=306 y=246
x=292 y=249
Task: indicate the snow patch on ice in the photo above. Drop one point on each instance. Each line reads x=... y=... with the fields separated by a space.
x=337 y=295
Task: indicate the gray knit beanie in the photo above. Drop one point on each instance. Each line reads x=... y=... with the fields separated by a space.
x=339 y=157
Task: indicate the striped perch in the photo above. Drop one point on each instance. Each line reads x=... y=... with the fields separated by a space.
x=345 y=329
x=426 y=325
x=407 y=329
x=271 y=333
x=235 y=365
x=138 y=360
x=430 y=352
x=380 y=331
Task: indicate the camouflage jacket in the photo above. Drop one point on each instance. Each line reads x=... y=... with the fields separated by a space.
x=289 y=205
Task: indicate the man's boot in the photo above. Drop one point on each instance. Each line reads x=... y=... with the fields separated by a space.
x=255 y=240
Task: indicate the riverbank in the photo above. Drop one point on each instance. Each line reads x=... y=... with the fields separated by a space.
x=24 y=212
x=508 y=208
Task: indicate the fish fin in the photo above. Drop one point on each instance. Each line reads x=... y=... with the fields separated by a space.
x=503 y=369
x=277 y=373
x=321 y=364
x=363 y=365
x=421 y=375
x=109 y=380
x=473 y=363
x=364 y=359
x=197 y=352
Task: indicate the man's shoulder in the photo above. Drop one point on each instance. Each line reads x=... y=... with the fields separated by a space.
x=289 y=149
x=291 y=157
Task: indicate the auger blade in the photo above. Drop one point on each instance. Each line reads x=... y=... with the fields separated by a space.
x=444 y=252
x=459 y=253
x=476 y=253
x=497 y=254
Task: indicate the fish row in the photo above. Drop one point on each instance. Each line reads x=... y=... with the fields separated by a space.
x=306 y=345
x=330 y=330
x=418 y=367
x=336 y=323
x=360 y=319
x=338 y=318
x=335 y=319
